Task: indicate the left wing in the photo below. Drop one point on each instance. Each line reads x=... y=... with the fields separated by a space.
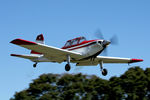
x=105 y=59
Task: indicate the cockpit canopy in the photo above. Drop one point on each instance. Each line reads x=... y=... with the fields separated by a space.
x=74 y=41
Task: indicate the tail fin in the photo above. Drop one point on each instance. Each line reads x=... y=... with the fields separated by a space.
x=39 y=39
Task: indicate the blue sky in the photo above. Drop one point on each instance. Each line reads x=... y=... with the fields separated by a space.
x=60 y=20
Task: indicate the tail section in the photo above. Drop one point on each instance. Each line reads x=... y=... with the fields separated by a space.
x=39 y=39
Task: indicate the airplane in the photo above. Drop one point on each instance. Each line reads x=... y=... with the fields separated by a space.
x=78 y=50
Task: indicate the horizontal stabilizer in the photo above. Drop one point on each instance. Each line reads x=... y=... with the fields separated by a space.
x=30 y=57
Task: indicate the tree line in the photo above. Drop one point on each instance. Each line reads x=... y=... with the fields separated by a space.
x=134 y=84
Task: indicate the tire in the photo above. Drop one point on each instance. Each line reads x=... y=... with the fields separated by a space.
x=104 y=72
x=34 y=65
x=67 y=67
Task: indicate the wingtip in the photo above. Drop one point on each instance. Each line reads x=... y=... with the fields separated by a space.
x=136 y=60
x=13 y=41
x=14 y=55
x=22 y=42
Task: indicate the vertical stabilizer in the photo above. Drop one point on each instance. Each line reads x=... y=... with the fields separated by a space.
x=39 y=39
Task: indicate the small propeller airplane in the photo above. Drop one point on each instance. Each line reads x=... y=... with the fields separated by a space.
x=78 y=50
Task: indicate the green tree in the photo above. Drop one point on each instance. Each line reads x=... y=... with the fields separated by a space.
x=134 y=84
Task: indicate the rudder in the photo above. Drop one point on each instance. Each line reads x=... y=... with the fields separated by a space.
x=40 y=39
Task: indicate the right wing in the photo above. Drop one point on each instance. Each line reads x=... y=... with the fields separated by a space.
x=50 y=52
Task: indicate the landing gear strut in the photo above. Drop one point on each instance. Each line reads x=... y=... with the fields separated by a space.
x=104 y=71
x=67 y=66
x=34 y=65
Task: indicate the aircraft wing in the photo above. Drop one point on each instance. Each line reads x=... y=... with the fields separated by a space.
x=59 y=55
x=106 y=59
x=50 y=52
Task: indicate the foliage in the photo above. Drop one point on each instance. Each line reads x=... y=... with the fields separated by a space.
x=132 y=85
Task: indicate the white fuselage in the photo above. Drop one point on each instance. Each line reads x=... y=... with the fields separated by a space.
x=88 y=49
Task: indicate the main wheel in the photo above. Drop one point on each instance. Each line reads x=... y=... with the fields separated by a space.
x=34 y=65
x=104 y=72
x=67 y=67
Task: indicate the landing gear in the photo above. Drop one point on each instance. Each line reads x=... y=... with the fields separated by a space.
x=104 y=71
x=34 y=65
x=67 y=66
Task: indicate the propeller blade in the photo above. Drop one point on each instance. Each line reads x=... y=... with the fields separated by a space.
x=99 y=34
x=114 y=40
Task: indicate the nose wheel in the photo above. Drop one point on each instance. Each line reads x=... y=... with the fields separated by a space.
x=103 y=70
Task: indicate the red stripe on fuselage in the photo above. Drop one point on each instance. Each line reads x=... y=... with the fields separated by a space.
x=81 y=45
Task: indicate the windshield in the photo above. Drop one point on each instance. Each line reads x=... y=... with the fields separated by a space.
x=82 y=39
x=68 y=43
x=75 y=41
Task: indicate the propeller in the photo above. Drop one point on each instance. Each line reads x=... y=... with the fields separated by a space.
x=99 y=34
x=113 y=40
